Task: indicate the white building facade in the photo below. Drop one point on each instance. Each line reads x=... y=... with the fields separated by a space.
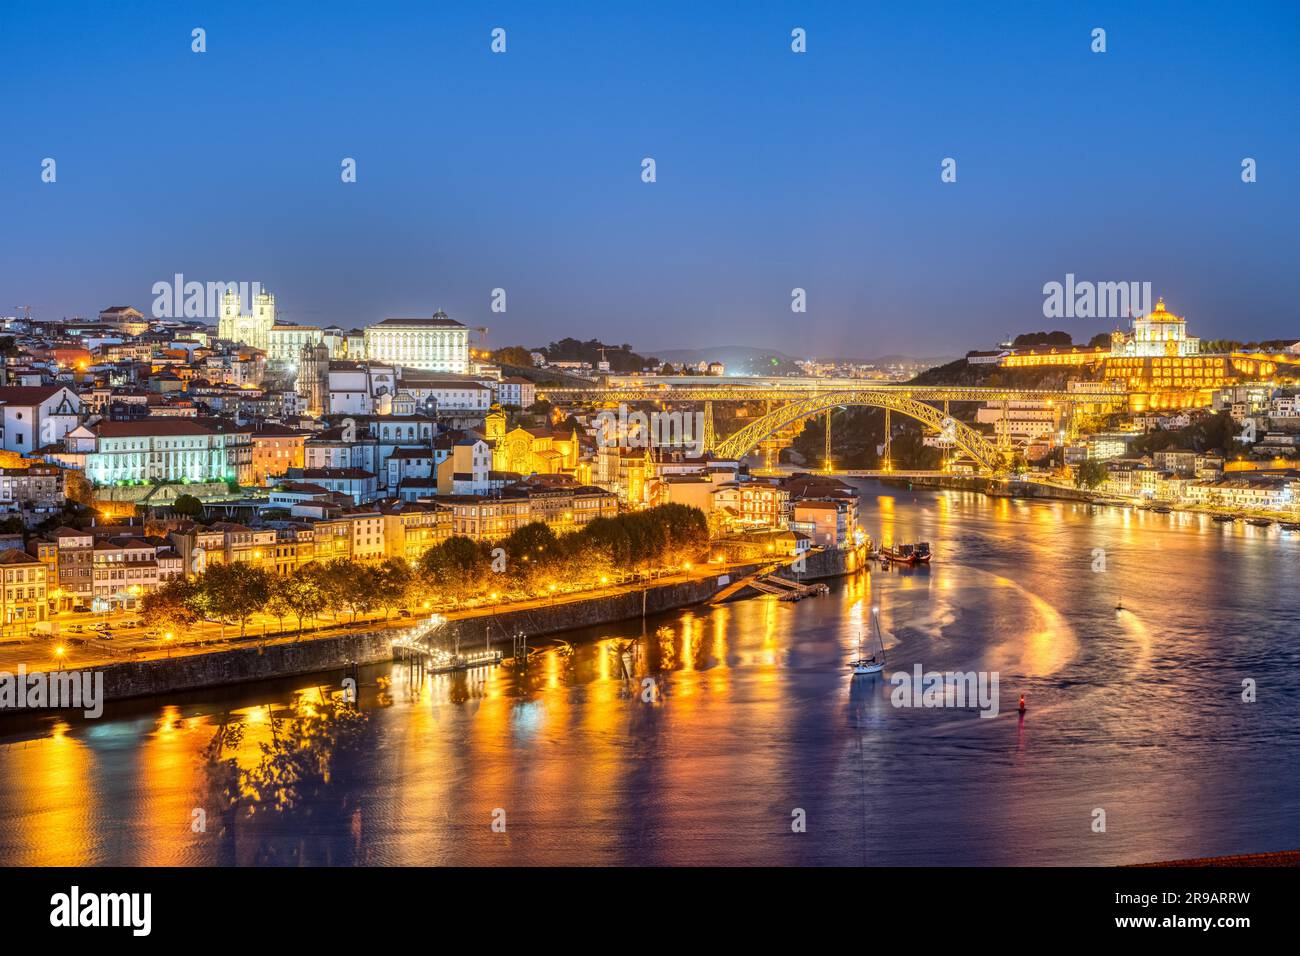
x=435 y=344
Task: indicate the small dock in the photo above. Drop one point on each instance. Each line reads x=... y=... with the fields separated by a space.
x=767 y=582
x=415 y=647
x=437 y=661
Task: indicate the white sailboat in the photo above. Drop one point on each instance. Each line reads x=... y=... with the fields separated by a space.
x=872 y=664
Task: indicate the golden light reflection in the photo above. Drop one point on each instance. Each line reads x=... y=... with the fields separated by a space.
x=58 y=800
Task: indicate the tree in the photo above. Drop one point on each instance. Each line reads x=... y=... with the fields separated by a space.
x=393 y=581
x=1090 y=473
x=172 y=607
x=188 y=506
x=77 y=488
x=333 y=580
x=1029 y=340
x=513 y=355
x=235 y=592
x=354 y=585
x=301 y=592
x=277 y=605
x=457 y=566
x=532 y=539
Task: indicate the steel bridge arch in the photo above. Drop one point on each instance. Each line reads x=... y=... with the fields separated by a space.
x=741 y=442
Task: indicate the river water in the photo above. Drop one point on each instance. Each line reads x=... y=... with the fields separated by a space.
x=753 y=743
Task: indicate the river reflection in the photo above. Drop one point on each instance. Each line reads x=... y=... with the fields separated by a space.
x=698 y=736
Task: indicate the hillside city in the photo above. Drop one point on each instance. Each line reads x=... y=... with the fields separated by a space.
x=142 y=455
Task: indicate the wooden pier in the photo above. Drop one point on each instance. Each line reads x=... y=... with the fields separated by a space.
x=415 y=647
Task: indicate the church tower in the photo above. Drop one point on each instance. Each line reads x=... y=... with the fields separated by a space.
x=253 y=330
x=313 y=378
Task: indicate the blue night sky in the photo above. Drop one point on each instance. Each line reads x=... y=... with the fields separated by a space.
x=775 y=170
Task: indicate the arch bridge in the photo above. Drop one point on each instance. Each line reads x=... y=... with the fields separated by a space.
x=740 y=443
x=804 y=399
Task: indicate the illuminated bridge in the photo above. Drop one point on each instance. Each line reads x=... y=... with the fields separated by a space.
x=790 y=403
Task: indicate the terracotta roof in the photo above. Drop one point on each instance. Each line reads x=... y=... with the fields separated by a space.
x=28 y=394
x=149 y=427
x=15 y=556
x=438 y=320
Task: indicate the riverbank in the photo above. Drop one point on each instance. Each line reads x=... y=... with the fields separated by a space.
x=257 y=660
x=1029 y=490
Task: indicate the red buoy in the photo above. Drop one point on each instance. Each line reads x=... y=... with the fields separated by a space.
x=1022 y=703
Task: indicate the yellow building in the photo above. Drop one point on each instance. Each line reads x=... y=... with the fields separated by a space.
x=1157 y=363
x=528 y=451
x=23 y=596
x=411 y=528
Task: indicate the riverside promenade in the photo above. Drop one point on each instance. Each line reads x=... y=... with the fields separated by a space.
x=136 y=667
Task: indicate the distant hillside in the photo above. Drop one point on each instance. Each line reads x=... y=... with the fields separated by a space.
x=745 y=358
x=961 y=372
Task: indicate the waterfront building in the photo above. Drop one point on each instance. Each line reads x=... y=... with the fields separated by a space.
x=1245 y=490
x=73 y=563
x=1023 y=421
x=24 y=594
x=125 y=569
x=435 y=344
x=223 y=542
x=410 y=528
x=828 y=523
x=1134 y=478
x=1179 y=461
x=753 y=504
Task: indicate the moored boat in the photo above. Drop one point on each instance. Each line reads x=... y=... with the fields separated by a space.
x=1260 y=522
x=909 y=554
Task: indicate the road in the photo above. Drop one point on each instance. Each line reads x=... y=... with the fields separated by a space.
x=130 y=641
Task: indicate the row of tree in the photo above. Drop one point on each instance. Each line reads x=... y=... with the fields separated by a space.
x=534 y=560
x=531 y=561
x=233 y=593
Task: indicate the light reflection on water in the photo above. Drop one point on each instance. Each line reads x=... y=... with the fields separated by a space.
x=752 y=714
